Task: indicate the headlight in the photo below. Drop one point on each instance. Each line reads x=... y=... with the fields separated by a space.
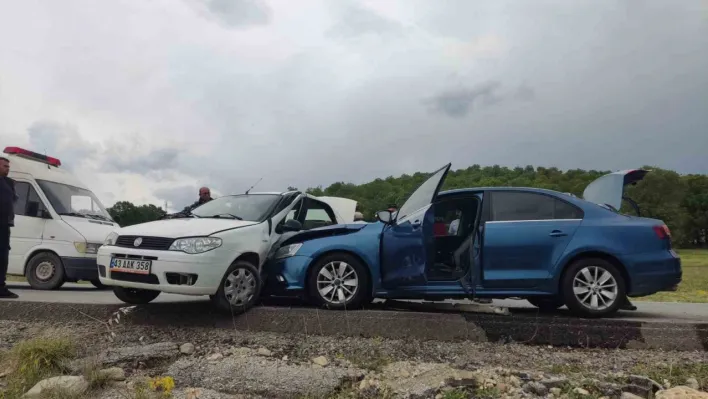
x=195 y=245
x=111 y=239
x=87 y=247
x=287 y=251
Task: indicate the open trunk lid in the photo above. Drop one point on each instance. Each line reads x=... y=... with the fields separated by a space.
x=608 y=190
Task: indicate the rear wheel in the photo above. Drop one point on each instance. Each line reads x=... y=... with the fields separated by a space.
x=240 y=288
x=135 y=296
x=339 y=281
x=545 y=304
x=593 y=288
x=45 y=271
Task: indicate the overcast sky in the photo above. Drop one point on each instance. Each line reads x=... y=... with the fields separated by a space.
x=148 y=100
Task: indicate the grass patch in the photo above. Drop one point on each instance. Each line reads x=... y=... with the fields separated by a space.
x=31 y=361
x=694 y=287
x=675 y=374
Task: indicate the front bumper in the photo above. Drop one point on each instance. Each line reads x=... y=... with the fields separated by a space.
x=76 y=268
x=286 y=276
x=171 y=271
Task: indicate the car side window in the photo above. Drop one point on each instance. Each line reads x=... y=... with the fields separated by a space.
x=28 y=202
x=510 y=205
x=318 y=214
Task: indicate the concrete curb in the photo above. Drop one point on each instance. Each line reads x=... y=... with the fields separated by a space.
x=530 y=328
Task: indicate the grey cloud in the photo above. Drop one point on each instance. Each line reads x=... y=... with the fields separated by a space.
x=354 y=20
x=60 y=141
x=124 y=162
x=459 y=102
x=239 y=13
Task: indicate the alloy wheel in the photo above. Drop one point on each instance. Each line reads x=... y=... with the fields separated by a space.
x=337 y=282
x=595 y=288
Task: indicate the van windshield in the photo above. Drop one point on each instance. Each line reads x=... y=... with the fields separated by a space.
x=73 y=201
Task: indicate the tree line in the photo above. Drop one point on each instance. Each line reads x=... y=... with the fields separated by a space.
x=679 y=200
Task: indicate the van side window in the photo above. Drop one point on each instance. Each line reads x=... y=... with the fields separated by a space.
x=28 y=202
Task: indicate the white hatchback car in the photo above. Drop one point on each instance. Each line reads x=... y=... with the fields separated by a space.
x=218 y=251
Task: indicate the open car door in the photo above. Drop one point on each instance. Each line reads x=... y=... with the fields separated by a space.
x=608 y=190
x=407 y=243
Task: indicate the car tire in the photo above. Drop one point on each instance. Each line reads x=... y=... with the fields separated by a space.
x=240 y=288
x=319 y=282
x=98 y=284
x=546 y=304
x=135 y=296
x=45 y=271
x=585 y=274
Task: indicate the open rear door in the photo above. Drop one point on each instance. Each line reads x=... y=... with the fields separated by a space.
x=609 y=189
x=407 y=243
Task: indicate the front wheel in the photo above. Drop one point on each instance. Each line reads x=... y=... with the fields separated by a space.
x=135 y=296
x=45 y=271
x=339 y=281
x=240 y=288
x=593 y=288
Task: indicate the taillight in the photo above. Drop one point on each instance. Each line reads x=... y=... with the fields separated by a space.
x=662 y=232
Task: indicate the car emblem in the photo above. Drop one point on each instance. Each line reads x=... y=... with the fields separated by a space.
x=137 y=242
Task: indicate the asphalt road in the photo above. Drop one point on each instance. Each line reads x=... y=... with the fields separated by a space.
x=84 y=293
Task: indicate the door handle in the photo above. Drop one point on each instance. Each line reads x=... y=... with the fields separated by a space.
x=557 y=233
x=416 y=224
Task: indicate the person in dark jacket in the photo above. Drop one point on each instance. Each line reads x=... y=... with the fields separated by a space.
x=7 y=220
x=204 y=197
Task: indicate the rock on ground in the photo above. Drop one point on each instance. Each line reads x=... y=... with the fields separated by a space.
x=260 y=375
x=681 y=392
x=71 y=385
x=130 y=354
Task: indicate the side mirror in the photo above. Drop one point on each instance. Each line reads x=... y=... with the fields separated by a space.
x=384 y=216
x=44 y=214
x=290 y=225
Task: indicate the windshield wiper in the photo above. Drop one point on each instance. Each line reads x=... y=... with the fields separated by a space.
x=80 y=215
x=232 y=216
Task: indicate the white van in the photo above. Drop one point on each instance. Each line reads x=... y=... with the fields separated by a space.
x=59 y=223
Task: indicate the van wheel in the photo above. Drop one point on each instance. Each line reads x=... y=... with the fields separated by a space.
x=135 y=296
x=339 y=281
x=45 y=271
x=593 y=288
x=546 y=304
x=240 y=288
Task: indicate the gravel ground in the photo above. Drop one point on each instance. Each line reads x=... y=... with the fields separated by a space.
x=229 y=362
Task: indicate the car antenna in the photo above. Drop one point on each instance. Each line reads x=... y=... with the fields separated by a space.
x=259 y=180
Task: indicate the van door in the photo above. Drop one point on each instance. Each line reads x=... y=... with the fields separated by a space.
x=27 y=233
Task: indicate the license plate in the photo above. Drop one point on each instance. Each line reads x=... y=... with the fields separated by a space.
x=131 y=266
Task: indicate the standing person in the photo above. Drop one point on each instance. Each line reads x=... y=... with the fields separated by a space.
x=7 y=220
x=204 y=197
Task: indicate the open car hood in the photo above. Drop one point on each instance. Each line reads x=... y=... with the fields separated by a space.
x=609 y=189
x=343 y=208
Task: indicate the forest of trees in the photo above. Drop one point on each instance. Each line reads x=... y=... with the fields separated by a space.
x=679 y=200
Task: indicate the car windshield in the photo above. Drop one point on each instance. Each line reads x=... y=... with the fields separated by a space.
x=73 y=201
x=253 y=207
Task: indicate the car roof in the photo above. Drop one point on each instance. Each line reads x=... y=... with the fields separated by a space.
x=479 y=189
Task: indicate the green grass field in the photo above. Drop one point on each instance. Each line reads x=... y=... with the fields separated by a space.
x=693 y=288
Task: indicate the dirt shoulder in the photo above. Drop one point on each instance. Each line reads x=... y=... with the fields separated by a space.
x=221 y=363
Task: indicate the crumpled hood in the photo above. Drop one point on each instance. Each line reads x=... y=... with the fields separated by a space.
x=187 y=227
x=94 y=231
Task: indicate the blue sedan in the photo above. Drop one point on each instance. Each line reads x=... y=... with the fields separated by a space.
x=548 y=247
